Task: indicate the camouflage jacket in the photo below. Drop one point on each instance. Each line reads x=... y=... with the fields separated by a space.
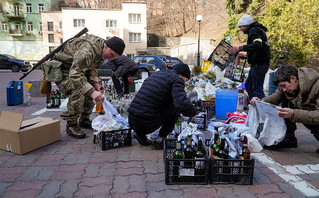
x=81 y=57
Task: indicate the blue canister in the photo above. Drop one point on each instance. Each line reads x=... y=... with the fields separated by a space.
x=15 y=93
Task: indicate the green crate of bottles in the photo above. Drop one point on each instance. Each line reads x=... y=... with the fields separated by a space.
x=113 y=139
x=232 y=171
x=184 y=171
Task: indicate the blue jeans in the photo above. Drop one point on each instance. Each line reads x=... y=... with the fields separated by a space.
x=255 y=81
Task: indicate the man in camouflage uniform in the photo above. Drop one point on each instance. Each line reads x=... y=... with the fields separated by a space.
x=81 y=57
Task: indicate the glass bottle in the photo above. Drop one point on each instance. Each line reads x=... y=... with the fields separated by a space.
x=178 y=154
x=199 y=155
x=223 y=153
x=189 y=153
x=52 y=101
x=214 y=147
x=246 y=151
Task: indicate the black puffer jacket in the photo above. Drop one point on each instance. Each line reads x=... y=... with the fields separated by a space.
x=122 y=65
x=157 y=92
x=258 y=53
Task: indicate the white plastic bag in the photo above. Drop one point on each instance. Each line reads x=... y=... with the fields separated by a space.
x=64 y=105
x=274 y=127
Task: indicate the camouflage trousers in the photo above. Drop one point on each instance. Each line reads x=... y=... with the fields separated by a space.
x=79 y=105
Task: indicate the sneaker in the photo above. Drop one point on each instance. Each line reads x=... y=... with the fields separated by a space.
x=85 y=123
x=142 y=139
x=158 y=145
x=75 y=131
x=287 y=142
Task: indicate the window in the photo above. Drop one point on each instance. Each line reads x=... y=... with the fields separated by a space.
x=16 y=9
x=29 y=26
x=4 y=26
x=135 y=37
x=29 y=7
x=50 y=26
x=60 y=25
x=61 y=41
x=17 y=26
x=78 y=23
x=41 y=7
x=51 y=38
x=111 y=23
x=51 y=49
x=134 y=18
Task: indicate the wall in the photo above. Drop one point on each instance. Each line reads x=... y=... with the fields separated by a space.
x=56 y=18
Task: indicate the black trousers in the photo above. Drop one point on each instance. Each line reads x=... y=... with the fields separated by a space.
x=166 y=120
x=117 y=83
x=291 y=126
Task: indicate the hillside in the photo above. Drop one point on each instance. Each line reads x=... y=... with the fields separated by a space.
x=213 y=24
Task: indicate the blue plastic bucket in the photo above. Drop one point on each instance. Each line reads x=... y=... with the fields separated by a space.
x=225 y=102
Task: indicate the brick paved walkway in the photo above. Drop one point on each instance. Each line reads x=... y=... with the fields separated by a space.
x=79 y=168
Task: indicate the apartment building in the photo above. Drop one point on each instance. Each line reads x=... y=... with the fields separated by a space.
x=20 y=33
x=128 y=23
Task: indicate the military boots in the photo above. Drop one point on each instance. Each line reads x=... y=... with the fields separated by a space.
x=85 y=123
x=75 y=131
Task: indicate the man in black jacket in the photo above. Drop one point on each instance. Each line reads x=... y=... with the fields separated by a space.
x=258 y=54
x=159 y=103
x=122 y=66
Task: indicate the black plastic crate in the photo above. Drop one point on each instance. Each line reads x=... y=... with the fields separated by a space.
x=114 y=139
x=221 y=55
x=235 y=69
x=232 y=171
x=174 y=175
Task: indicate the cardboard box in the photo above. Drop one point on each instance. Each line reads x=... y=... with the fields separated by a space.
x=21 y=137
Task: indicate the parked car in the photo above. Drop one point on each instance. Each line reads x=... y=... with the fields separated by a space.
x=170 y=61
x=149 y=63
x=10 y=62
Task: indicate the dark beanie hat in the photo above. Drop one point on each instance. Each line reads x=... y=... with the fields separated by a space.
x=116 y=44
x=183 y=70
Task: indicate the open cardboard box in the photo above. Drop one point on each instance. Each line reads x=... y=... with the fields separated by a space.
x=21 y=137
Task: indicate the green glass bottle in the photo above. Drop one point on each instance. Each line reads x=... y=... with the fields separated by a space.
x=178 y=154
x=199 y=155
x=189 y=153
x=214 y=147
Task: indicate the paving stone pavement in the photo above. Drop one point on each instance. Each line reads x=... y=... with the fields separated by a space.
x=79 y=168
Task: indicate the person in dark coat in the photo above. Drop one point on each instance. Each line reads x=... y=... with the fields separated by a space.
x=258 y=55
x=159 y=103
x=124 y=67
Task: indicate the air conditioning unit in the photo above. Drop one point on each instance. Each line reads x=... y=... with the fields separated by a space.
x=28 y=32
x=59 y=30
x=40 y=32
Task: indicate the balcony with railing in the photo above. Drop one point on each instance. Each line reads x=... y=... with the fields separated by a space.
x=14 y=14
x=15 y=32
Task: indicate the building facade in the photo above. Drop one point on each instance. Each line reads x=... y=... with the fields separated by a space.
x=21 y=28
x=128 y=23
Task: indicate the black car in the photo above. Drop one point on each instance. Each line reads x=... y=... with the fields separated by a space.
x=170 y=61
x=10 y=62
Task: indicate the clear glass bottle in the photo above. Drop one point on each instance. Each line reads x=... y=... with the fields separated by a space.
x=189 y=153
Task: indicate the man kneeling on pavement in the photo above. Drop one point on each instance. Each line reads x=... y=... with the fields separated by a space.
x=159 y=103
x=299 y=94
